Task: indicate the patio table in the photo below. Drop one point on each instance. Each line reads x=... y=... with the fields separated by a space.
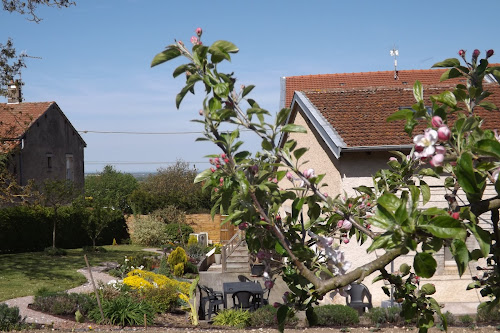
x=230 y=288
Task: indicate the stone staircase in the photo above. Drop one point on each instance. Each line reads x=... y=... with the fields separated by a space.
x=237 y=262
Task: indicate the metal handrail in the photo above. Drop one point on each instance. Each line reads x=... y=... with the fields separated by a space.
x=229 y=248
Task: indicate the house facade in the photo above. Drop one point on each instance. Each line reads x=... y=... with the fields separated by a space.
x=349 y=140
x=40 y=143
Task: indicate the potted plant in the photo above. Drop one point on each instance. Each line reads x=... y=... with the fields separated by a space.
x=218 y=253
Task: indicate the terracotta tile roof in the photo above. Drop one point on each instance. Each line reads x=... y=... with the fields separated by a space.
x=406 y=78
x=15 y=119
x=359 y=114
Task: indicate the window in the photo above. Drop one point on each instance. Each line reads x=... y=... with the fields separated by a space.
x=49 y=161
x=69 y=167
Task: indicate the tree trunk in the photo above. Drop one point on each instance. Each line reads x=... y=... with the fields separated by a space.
x=54 y=229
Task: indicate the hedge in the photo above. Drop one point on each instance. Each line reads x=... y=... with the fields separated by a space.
x=25 y=228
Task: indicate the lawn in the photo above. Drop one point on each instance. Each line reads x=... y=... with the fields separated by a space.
x=22 y=274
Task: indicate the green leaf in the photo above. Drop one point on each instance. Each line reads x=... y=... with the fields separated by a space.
x=299 y=152
x=247 y=90
x=426 y=192
x=488 y=106
x=466 y=178
x=450 y=74
x=221 y=89
x=451 y=62
x=418 y=91
x=482 y=236
x=445 y=227
x=312 y=318
x=266 y=145
x=489 y=147
x=214 y=104
x=180 y=96
x=281 y=315
x=389 y=201
x=401 y=114
x=181 y=69
x=461 y=255
x=202 y=176
x=170 y=53
x=220 y=50
x=292 y=128
x=424 y=264
x=382 y=241
x=447 y=98
x=282 y=116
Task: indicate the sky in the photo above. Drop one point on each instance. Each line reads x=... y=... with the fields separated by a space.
x=96 y=56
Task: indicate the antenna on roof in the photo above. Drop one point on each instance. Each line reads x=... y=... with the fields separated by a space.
x=23 y=54
x=394 y=53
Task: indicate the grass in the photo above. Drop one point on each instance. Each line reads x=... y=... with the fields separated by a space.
x=22 y=274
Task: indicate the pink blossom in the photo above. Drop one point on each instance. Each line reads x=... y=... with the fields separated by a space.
x=455 y=215
x=216 y=160
x=200 y=112
x=216 y=189
x=475 y=54
x=424 y=143
x=440 y=150
x=489 y=53
x=340 y=223
x=436 y=121
x=243 y=226
x=289 y=176
x=325 y=194
x=392 y=158
x=226 y=160
x=461 y=53
x=347 y=225
x=437 y=160
x=223 y=155
x=198 y=32
x=212 y=169
x=308 y=173
x=345 y=240
x=211 y=161
x=194 y=40
x=444 y=133
x=269 y=284
x=276 y=305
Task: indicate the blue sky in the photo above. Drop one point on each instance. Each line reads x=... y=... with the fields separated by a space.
x=96 y=59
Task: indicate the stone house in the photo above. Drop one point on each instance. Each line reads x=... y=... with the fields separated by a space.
x=349 y=140
x=40 y=142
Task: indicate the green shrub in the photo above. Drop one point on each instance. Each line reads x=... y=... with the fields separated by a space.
x=148 y=232
x=190 y=268
x=335 y=314
x=385 y=315
x=466 y=319
x=164 y=299
x=196 y=251
x=170 y=214
x=124 y=311
x=450 y=318
x=164 y=269
x=61 y=303
x=192 y=240
x=177 y=256
x=266 y=316
x=97 y=249
x=486 y=315
x=179 y=269
x=54 y=251
x=233 y=317
x=178 y=232
x=10 y=318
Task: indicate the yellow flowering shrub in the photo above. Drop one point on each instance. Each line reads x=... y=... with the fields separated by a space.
x=139 y=279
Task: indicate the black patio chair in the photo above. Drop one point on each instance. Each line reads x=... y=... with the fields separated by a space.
x=213 y=298
x=356 y=298
x=243 y=278
x=244 y=300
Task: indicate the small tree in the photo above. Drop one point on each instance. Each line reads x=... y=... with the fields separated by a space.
x=54 y=194
x=454 y=145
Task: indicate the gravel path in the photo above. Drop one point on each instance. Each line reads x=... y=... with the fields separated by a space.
x=42 y=318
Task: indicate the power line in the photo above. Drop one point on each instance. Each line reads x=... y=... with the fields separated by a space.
x=132 y=162
x=148 y=133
